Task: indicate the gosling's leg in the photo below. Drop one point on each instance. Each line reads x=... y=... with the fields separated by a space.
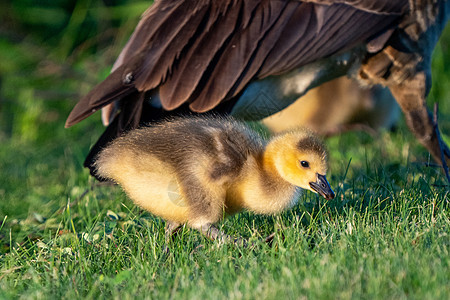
x=213 y=233
x=205 y=204
x=269 y=239
x=171 y=230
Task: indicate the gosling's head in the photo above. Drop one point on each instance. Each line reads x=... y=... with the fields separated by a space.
x=301 y=159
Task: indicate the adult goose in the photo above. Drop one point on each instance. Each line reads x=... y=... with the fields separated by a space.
x=253 y=58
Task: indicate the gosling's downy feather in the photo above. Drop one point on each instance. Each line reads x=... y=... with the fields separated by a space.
x=191 y=170
x=192 y=157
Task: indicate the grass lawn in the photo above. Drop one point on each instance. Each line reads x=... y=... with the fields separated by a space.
x=385 y=236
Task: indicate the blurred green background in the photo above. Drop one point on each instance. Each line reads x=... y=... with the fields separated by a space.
x=53 y=52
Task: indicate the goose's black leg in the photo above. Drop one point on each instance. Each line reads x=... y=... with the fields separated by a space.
x=411 y=96
x=445 y=152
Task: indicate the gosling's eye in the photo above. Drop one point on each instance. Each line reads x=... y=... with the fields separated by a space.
x=304 y=164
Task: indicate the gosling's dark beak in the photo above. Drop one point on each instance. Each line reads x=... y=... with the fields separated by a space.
x=322 y=187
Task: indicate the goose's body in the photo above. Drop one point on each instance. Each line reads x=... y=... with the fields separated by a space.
x=353 y=106
x=192 y=170
x=253 y=58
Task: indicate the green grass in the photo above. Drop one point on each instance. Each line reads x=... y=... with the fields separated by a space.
x=385 y=236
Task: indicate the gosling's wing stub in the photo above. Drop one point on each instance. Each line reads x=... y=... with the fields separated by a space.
x=205 y=52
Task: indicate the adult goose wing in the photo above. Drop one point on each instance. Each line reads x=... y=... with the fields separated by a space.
x=205 y=52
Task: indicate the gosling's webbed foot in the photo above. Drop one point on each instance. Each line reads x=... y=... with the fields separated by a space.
x=269 y=239
x=213 y=233
x=171 y=229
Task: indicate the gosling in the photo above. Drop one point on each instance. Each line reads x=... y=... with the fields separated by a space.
x=191 y=170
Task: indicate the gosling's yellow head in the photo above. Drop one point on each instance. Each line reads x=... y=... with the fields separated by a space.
x=301 y=159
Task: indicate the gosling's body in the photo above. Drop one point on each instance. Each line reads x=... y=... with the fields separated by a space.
x=192 y=170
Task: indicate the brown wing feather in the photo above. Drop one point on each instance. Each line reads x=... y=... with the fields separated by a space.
x=178 y=88
x=145 y=30
x=104 y=93
x=165 y=46
x=334 y=32
x=388 y=7
x=169 y=48
x=148 y=56
x=237 y=55
x=266 y=45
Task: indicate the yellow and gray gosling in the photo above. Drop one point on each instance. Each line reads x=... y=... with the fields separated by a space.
x=191 y=170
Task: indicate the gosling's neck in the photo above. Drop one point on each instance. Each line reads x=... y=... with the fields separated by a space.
x=269 y=164
x=274 y=194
